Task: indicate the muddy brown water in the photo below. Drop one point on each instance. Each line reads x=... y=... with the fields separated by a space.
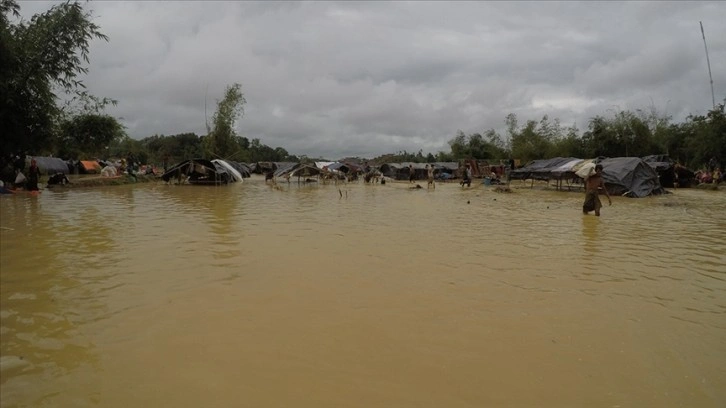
x=155 y=295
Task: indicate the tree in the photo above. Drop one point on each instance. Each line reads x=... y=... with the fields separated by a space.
x=88 y=135
x=600 y=139
x=459 y=145
x=40 y=58
x=707 y=137
x=528 y=144
x=222 y=139
x=571 y=145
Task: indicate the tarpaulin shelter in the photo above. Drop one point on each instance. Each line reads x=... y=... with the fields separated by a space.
x=547 y=169
x=283 y=168
x=445 y=170
x=51 y=165
x=299 y=170
x=89 y=167
x=670 y=172
x=198 y=171
x=266 y=167
x=630 y=177
x=390 y=169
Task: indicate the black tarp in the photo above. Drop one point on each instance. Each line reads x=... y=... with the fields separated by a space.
x=670 y=172
x=198 y=171
x=630 y=176
x=544 y=169
x=51 y=165
x=266 y=167
x=283 y=168
x=243 y=168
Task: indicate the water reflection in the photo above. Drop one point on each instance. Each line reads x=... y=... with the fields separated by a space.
x=323 y=295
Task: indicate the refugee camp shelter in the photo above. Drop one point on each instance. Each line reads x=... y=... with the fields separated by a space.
x=198 y=171
x=51 y=165
x=266 y=167
x=630 y=177
x=244 y=169
x=546 y=169
x=391 y=169
x=233 y=173
x=445 y=170
x=89 y=167
x=560 y=169
x=670 y=172
x=301 y=171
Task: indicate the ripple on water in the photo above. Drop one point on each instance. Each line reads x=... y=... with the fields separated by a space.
x=381 y=260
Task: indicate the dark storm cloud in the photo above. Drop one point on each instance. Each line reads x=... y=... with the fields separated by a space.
x=366 y=78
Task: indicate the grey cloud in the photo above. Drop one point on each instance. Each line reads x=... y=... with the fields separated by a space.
x=367 y=78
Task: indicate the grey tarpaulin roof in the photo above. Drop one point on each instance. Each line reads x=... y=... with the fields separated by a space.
x=544 y=169
x=51 y=165
x=630 y=176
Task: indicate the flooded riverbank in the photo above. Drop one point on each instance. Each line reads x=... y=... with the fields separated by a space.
x=360 y=295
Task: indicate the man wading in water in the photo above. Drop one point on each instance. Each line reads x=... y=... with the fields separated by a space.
x=592 y=198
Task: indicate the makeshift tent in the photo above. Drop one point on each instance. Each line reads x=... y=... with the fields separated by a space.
x=547 y=169
x=198 y=171
x=670 y=172
x=630 y=176
x=90 y=167
x=243 y=168
x=445 y=170
x=323 y=165
x=299 y=171
x=419 y=170
x=51 y=165
x=266 y=167
x=283 y=168
x=234 y=174
x=390 y=169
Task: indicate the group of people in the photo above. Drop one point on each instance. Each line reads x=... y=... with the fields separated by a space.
x=709 y=177
x=430 y=170
x=13 y=174
x=466 y=173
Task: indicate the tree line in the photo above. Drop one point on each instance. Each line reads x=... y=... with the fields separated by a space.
x=638 y=133
x=46 y=110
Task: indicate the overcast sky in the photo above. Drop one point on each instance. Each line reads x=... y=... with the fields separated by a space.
x=337 y=79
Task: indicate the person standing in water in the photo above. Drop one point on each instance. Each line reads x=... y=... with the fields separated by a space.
x=592 y=192
x=33 y=176
x=467 y=176
x=430 y=174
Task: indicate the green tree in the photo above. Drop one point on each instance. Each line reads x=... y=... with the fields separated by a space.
x=222 y=140
x=38 y=59
x=88 y=135
x=528 y=144
x=168 y=150
x=459 y=145
x=707 y=137
x=571 y=145
x=601 y=139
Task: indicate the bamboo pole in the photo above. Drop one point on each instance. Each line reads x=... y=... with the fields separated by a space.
x=708 y=61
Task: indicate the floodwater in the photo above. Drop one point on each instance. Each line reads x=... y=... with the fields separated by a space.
x=356 y=295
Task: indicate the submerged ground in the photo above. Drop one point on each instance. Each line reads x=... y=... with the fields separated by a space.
x=360 y=295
